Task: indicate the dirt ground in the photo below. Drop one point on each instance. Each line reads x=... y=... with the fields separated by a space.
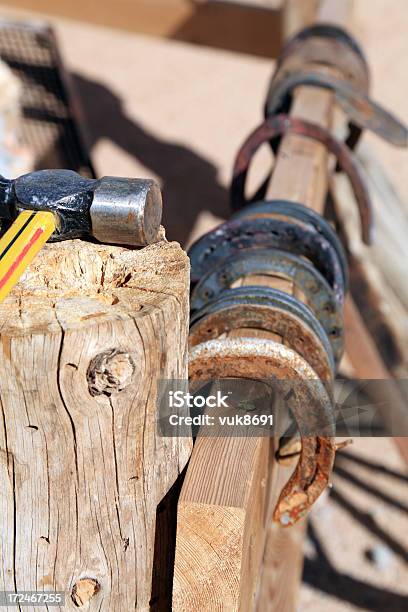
x=179 y=112
x=357 y=545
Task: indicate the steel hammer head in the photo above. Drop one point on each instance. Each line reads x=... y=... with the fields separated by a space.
x=111 y=209
x=124 y=210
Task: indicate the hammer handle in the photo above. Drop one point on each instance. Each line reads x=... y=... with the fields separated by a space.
x=20 y=244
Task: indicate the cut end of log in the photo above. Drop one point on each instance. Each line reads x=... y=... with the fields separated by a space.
x=76 y=283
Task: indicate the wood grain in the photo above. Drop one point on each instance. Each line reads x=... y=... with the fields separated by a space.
x=84 y=339
x=219 y=526
x=283 y=553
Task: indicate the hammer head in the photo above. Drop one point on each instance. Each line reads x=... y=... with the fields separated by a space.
x=112 y=210
x=124 y=210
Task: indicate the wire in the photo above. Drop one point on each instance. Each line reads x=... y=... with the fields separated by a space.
x=20 y=244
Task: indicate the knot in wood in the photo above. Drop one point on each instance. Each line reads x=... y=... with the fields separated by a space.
x=110 y=372
x=84 y=590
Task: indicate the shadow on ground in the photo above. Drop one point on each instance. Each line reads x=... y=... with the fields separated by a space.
x=319 y=571
x=190 y=182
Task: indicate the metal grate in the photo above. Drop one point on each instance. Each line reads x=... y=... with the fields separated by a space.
x=51 y=119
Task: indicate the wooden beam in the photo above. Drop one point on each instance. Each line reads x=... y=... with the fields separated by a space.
x=215 y=568
x=297 y=14
x=156 y=17
x=283 y=550
x=300 y=13
x=283 y=554
x=220 y=522
x=245 y=26
x=336 y=12
x=84 y=339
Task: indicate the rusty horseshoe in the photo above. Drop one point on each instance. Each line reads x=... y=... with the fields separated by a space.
x=273 y=262
x=230 y=237
x=330 y=45
x=309 y=403
x=357 y=106
x=297 y=212
x=282 y=124
x=271 y=310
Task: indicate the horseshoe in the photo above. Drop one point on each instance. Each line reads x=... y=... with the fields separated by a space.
x=329 y=45
x=282 y=124
x=271 y=310
x=297 y=212
x=273 y=262
x=229 y=238
x=309 y=404
x=358 y=107
x=326 y=45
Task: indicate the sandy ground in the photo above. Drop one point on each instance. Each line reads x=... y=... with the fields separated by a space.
x=179 y=112
x=357 y=545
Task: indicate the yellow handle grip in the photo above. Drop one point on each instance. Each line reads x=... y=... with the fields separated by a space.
x=20 y=244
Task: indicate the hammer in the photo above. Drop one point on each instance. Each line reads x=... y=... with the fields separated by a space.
x=111 y=210
x=60 y=204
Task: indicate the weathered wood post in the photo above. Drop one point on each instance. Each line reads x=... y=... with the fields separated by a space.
x=84 y=339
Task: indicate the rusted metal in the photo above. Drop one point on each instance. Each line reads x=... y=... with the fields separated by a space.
x=230 y=237
x=274 y=262
x=270 y=310
x=358 y=107
x=281 y=124
x=276 y=238
x=328 y=45
x=310 y=405
x=293 y=211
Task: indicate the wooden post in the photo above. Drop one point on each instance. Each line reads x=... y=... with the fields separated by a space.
x=283 y=555
x=84 y=339
x=218 y=567
x=297 y=14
